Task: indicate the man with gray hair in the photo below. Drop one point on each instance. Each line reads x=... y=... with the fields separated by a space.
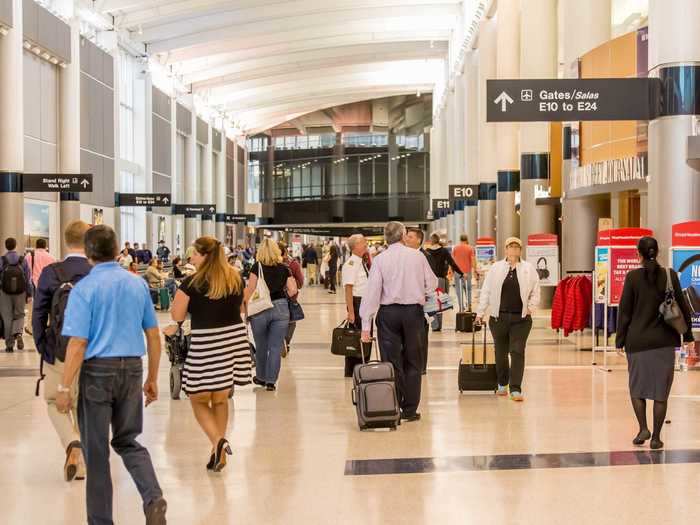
x=398 y=283
x=355 y=273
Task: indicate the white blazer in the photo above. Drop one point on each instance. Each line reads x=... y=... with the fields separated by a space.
x=490 y=295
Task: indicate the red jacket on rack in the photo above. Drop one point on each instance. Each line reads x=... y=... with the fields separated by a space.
x=578 y=304
x=559 y=304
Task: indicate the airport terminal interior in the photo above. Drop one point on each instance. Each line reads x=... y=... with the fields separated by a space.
x=546 y=147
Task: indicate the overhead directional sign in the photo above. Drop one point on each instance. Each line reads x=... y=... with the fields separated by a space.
x=194 y=209
x=144 y=199
x=553 y=100
x=58 y=182
x=463 y=192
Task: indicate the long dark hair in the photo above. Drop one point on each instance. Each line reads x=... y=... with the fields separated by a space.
x=648 y=249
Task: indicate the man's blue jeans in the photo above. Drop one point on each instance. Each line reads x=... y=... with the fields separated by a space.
x=464 y=280
x=111 y=394
x=269 y=331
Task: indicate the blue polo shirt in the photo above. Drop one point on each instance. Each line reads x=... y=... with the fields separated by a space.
x=110 y=308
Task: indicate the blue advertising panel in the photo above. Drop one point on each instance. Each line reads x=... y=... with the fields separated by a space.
x=686 y=261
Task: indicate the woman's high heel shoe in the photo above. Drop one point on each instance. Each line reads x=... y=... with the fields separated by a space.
x=212 y=461
x=643 y=436
x=223 y=449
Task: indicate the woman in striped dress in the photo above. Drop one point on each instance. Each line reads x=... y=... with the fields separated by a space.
x=219 y=354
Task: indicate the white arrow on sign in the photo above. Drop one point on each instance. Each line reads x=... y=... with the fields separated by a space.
x=212 y=210
x=166 y=200
x=503 y=99
x=84 y=183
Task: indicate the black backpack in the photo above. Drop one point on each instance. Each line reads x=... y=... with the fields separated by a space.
x=59 y=301
x=13 y=280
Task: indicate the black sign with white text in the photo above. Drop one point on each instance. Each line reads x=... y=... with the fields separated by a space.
x=558 y=100
x=194 y=209
x=463 y=192
x=58 y=182
x=237 y=218
x=144 y=199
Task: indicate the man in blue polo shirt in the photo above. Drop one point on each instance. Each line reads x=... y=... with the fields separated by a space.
x=107 y=313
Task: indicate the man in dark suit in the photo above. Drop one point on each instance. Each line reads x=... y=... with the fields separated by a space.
x=74 y=267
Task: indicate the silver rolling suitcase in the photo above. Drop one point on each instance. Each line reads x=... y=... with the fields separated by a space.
x=374 y=395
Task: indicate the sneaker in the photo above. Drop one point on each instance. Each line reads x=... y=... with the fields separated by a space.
x=517 y=396
x=20 y=342
x=502 y=390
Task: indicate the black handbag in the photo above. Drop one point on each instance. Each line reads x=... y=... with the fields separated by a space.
x=296 y=312
x=346 y=341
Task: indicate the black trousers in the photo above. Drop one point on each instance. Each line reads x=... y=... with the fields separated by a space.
x=352 y=362
x=510 y=333
x=399 y=329
x=424 y=345
x=332 y=277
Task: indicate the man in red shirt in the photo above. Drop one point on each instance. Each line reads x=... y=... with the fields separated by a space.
x=463 y=255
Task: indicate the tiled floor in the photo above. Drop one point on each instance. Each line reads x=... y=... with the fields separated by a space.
x=291 y=447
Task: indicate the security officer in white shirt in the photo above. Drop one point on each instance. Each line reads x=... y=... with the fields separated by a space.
x=355 y=273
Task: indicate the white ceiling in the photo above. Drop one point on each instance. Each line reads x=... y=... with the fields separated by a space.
x=268 y=61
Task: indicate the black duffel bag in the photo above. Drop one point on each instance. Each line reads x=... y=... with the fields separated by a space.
x=346 y=341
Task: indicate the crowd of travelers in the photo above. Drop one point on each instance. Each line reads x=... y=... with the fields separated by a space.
x=92 y=345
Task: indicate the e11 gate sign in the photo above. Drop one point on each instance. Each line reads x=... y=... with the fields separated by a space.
x=558 y=100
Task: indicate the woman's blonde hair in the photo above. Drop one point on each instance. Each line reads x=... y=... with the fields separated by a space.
x=219 y=278
x=269 y=253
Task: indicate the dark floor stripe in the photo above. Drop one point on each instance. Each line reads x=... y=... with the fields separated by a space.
x=373 y=467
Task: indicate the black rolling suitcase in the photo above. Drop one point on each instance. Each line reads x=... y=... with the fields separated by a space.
x=464 y=321
x=374 y=395
x=477 y=376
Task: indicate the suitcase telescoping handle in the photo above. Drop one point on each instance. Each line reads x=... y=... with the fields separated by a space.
x=483 y=329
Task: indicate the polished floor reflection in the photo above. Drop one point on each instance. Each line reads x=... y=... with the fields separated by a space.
x=292 y=447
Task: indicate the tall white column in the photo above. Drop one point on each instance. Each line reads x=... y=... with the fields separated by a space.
x=538 y=59
x=12 y=130
x=583 y=26
x=220 y=191
x=192 y=194
x=507 y=161
x=69 y=130
x=208 y=178
x=471 y=138
x=487 y=132
x=674 y=51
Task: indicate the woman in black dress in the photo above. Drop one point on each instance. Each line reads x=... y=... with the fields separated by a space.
x=332 y=267
x=219 y=354
x=648 y=341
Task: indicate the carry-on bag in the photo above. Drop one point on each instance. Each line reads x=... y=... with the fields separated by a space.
x=374 y=395
x=464 y=320
x=345 y=341
x=477 y=377
x=164 y=299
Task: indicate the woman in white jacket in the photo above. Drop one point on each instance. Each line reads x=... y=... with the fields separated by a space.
x=510 y=293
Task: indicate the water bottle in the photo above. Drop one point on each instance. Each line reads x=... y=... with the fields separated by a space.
x=683 y=359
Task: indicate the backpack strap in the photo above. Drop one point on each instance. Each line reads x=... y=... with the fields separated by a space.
x=61 y=273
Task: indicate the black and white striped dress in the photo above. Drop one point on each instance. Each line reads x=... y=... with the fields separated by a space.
x=219 y=355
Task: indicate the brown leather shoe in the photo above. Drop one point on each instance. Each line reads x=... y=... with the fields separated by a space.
x=73 y=457
x=155 y=512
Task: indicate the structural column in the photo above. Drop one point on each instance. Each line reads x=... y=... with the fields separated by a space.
x=507 y=66
x=538 y=59
x=674 y=52
x=12 y=130
x=208 y=178
x=585 y=25
x=192 y=193
x=69 y=131
x=220 y=193
x=471 y=140
x=487 y=133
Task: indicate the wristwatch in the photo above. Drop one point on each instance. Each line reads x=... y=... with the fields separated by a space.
x=63 y=389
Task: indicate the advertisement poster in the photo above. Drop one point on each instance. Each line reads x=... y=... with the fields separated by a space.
x=485 y=254
x=602 y=260
x=543 y=253
x=685 y=258
x=36 y=223
x=622 y=260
